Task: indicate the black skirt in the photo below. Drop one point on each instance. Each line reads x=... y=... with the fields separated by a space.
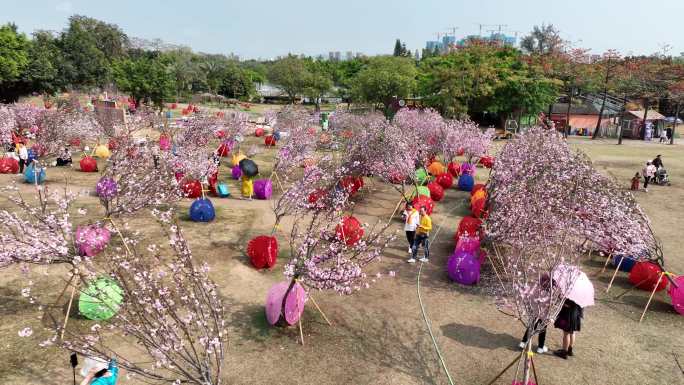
x=570 y=317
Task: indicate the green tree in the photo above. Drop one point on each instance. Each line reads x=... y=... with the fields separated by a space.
x=290 y=75
x=319 y=82
x=236 y=83
x=144 y=78
x=14 y=58
x=542 y=40
x=90 y=47
x=45 y=72
x=384 y=78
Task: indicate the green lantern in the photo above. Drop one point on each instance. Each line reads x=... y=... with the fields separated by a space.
x=421 y=176
x=101 y=299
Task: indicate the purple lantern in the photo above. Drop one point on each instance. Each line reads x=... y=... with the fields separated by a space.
x=467 y=169
x=236 y=172
x=263 y=189
x=676 y=293
x=90 y=240
x=464 y=268
x=106 y=188
x=467 y=244
x=294 y=305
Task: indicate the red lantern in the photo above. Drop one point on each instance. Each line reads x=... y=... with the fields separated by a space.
x=478 y=208
x=315 y=198
x=184 y=112
x=454 y=169
x=179 y=176
x=76 y=142
x=174 y=106
x=487 y=161
x=88 y=164
x=259 y=132
x=192 y=189
x=263 y=251
x=436 y=191
x=445 y=180
x=470 y=226
x=351 y=184
x=423 y=201
x=9 y=166
x=269 y=140
x=349 y=231
x=461 y=152
x=224 y=149
x=644 y=276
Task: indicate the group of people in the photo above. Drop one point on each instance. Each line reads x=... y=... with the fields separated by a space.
x=417 y=225
x=650 y=172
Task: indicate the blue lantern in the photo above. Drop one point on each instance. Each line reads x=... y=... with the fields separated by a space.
x=202 y=210
x=627 y=262
x=33 y=176
x=466 y=182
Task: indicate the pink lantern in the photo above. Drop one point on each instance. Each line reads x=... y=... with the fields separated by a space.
x=677 y=294
x=91 y=240
x=164 y=143
x=468 y=244
x=294 y=304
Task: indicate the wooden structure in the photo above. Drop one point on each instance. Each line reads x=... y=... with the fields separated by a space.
x=633 y=124
x=583 y=118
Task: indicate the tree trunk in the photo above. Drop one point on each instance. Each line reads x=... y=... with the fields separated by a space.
x=622 y=117
x=600 y=117
x=643 y=123
x=566 y=130
x=674 y=123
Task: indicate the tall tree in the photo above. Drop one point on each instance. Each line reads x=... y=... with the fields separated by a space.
x=608 y=66
x=45 y=72
x=397 y=48
x=384 y=78
x=14 y=58
x=542 y=40
x=290 y=75
x=145 y=78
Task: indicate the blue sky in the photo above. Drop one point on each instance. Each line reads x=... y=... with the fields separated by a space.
x=267 y=28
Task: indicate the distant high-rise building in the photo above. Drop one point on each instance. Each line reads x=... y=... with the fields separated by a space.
x=331 y=56
x=448 y=41
x=349 y=55
x=433 y=44
x=417 y=55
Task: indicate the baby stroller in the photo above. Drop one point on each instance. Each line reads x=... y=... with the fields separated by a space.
x=661 y=177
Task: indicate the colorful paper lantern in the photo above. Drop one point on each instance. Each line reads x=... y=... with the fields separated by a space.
x=88 y=164
x=263 y=189
x=202 y=210
x=436 y=191
x=445 y=180
x=676 y=293
x=436 y=168
x=477 y=187
x=76 y=142
x=644 y=276
x=235 y=172
x=269 y=141
x=487 y=161
x=263 y=251
x=421 y=190
x=294 y=303
x=423 y=201
x=454 y=169
x=465 y=182
x=478 y=208
x=224 y=148
x=259 y=132
x=469 y=226
x=463 y=268
x=9 y=165
x=106 y=188
x=468 y=244
x=101 y=299
x=236 y=158
x=33 y=176
x=467 y=169
x=627 y=263
x=477 y=195
x=192 y=189
x=421 y=175
x=352 y=184
x=91 y=240
x=101 y=151
x=349 y=231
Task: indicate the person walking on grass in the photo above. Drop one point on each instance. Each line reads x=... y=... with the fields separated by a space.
x=569 y=321
x=411 y=222
x=23 y=157
x=422 y=237
x=649 y=172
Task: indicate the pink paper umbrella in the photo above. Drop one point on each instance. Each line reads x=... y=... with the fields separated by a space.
x=677 y=294
x=575 y=284
x=294 y=305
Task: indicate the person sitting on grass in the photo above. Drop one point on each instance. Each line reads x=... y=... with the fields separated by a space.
x=422 y=237
x=99 y=375
x=64 y=158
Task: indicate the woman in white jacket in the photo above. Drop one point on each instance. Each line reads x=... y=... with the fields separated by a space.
x=411 y=220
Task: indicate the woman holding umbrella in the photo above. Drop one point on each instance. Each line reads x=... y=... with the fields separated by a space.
x=579 y=294
x=249 y=171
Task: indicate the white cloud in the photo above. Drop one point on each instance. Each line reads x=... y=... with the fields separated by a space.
x=64 y=6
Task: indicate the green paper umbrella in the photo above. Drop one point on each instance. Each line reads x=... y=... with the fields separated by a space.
x=421 y=175
x=101 y=299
